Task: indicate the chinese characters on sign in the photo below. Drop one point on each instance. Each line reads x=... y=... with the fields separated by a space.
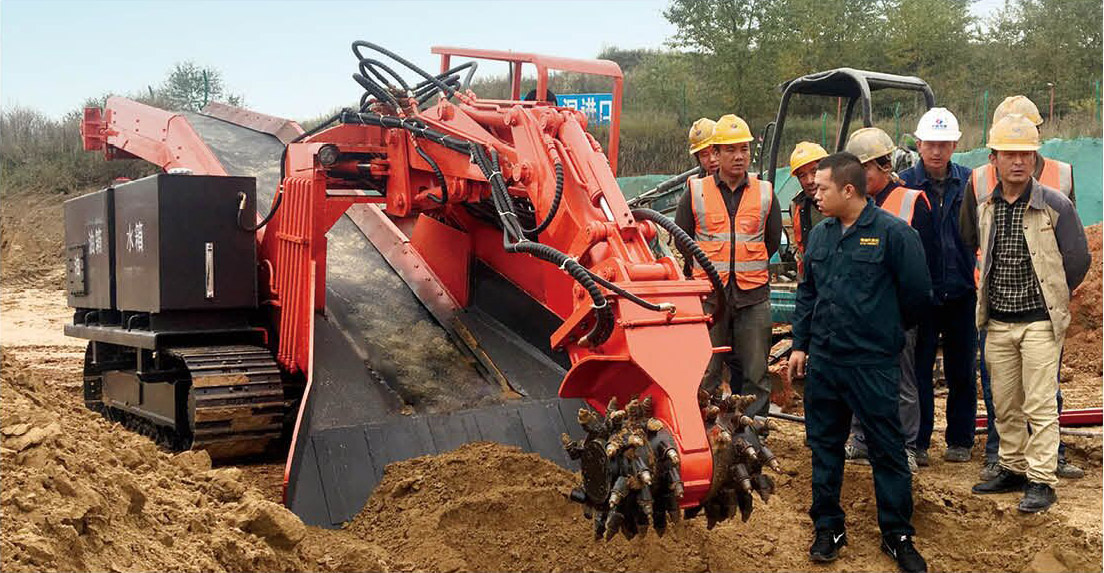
x=135 y=238
x=95 y=241
x=597 y=107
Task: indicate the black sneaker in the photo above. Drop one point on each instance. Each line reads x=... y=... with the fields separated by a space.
x=1067 y=470
x=900 y=548
x=1005 y=482
x=1037 y=497
x=827 y=544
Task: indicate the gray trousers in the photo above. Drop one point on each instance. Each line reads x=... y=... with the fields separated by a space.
x=748 y=331
x=908 y=403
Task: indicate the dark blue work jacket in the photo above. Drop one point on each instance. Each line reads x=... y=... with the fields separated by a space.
x=862 y=288
x=950 y=263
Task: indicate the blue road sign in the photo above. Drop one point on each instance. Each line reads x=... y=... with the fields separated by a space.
x=597 y=107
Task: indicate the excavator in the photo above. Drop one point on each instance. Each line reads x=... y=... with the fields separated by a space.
x=425 y=269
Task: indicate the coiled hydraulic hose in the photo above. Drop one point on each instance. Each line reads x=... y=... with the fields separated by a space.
x=448 y=91
x=685 y=243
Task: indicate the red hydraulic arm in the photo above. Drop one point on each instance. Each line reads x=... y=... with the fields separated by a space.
x=126 y=129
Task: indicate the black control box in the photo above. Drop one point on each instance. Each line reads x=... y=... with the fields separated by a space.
x=90 y=250
x=182 y=243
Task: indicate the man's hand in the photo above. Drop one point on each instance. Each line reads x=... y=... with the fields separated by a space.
x=797 y=364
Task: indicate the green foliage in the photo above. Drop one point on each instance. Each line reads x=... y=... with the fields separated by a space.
x=189 y=87
x=39 y=154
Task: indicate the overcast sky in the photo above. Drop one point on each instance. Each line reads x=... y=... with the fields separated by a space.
x=290 y=58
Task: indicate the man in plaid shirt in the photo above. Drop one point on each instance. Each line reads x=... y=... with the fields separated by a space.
x=1033 y=254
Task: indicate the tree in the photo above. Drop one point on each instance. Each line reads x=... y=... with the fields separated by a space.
x=189 y=87
x=1055 y=41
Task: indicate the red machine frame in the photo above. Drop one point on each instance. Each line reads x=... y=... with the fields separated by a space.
x=543 y=64
x=650 y=353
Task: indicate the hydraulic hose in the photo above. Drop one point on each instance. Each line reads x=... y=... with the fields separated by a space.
x=440 y=176
x=371 y=88
x=664 y=187
x=603 y=327
x=449 y=92
x=280 y=191
x=370 y=65
x=514 y=235
x=685 y=243
x=663 y=307
x=555 y=203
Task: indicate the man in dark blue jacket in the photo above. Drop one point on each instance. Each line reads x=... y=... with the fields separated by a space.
x=951 y=265
x=865 y=282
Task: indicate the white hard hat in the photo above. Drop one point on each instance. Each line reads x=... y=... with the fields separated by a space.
x=938 y=124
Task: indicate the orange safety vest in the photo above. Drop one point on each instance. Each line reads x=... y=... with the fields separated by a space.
x=1055 y=174
x=714 y=231
x=902 y=202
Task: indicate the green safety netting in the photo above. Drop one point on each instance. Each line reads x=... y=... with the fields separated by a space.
x=1085 y=154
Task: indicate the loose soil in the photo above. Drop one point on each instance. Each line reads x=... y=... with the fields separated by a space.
x=81 y=493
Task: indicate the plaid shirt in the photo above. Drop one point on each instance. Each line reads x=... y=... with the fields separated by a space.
x=1014 y=292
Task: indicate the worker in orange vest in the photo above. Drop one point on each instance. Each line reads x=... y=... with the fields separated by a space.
x=1054 y=174
x=874 y=148
x=700 y=143
x=736 y=221
x=804 y=213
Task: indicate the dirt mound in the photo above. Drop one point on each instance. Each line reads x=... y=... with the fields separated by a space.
x=489 y=507
x=32 y=236
x=80 y=493
x=1081 y=361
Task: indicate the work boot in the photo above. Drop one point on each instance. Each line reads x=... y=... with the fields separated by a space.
x=827 y=544
x=1037 y=497
x=1069 y=471
x=913 y=467
x=989 y=471
x=956 y=454
x=922 y=458
x=854 y=454
x=900 y=548
x=1005 y=482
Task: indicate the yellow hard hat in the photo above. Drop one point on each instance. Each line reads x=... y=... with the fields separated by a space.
x=806 y=152
x=1018 y=104
x=701 y=134
x=869 y=143
x=731 y=129
x=1014 y=132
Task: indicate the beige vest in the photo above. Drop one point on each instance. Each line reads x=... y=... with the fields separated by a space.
x=1046 y=258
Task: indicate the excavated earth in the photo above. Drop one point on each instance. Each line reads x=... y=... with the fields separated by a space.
x=80 y=493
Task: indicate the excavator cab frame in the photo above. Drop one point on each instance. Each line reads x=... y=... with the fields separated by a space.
x=857 y=86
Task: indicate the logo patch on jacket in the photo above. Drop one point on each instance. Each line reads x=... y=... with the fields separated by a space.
x=870 y=241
